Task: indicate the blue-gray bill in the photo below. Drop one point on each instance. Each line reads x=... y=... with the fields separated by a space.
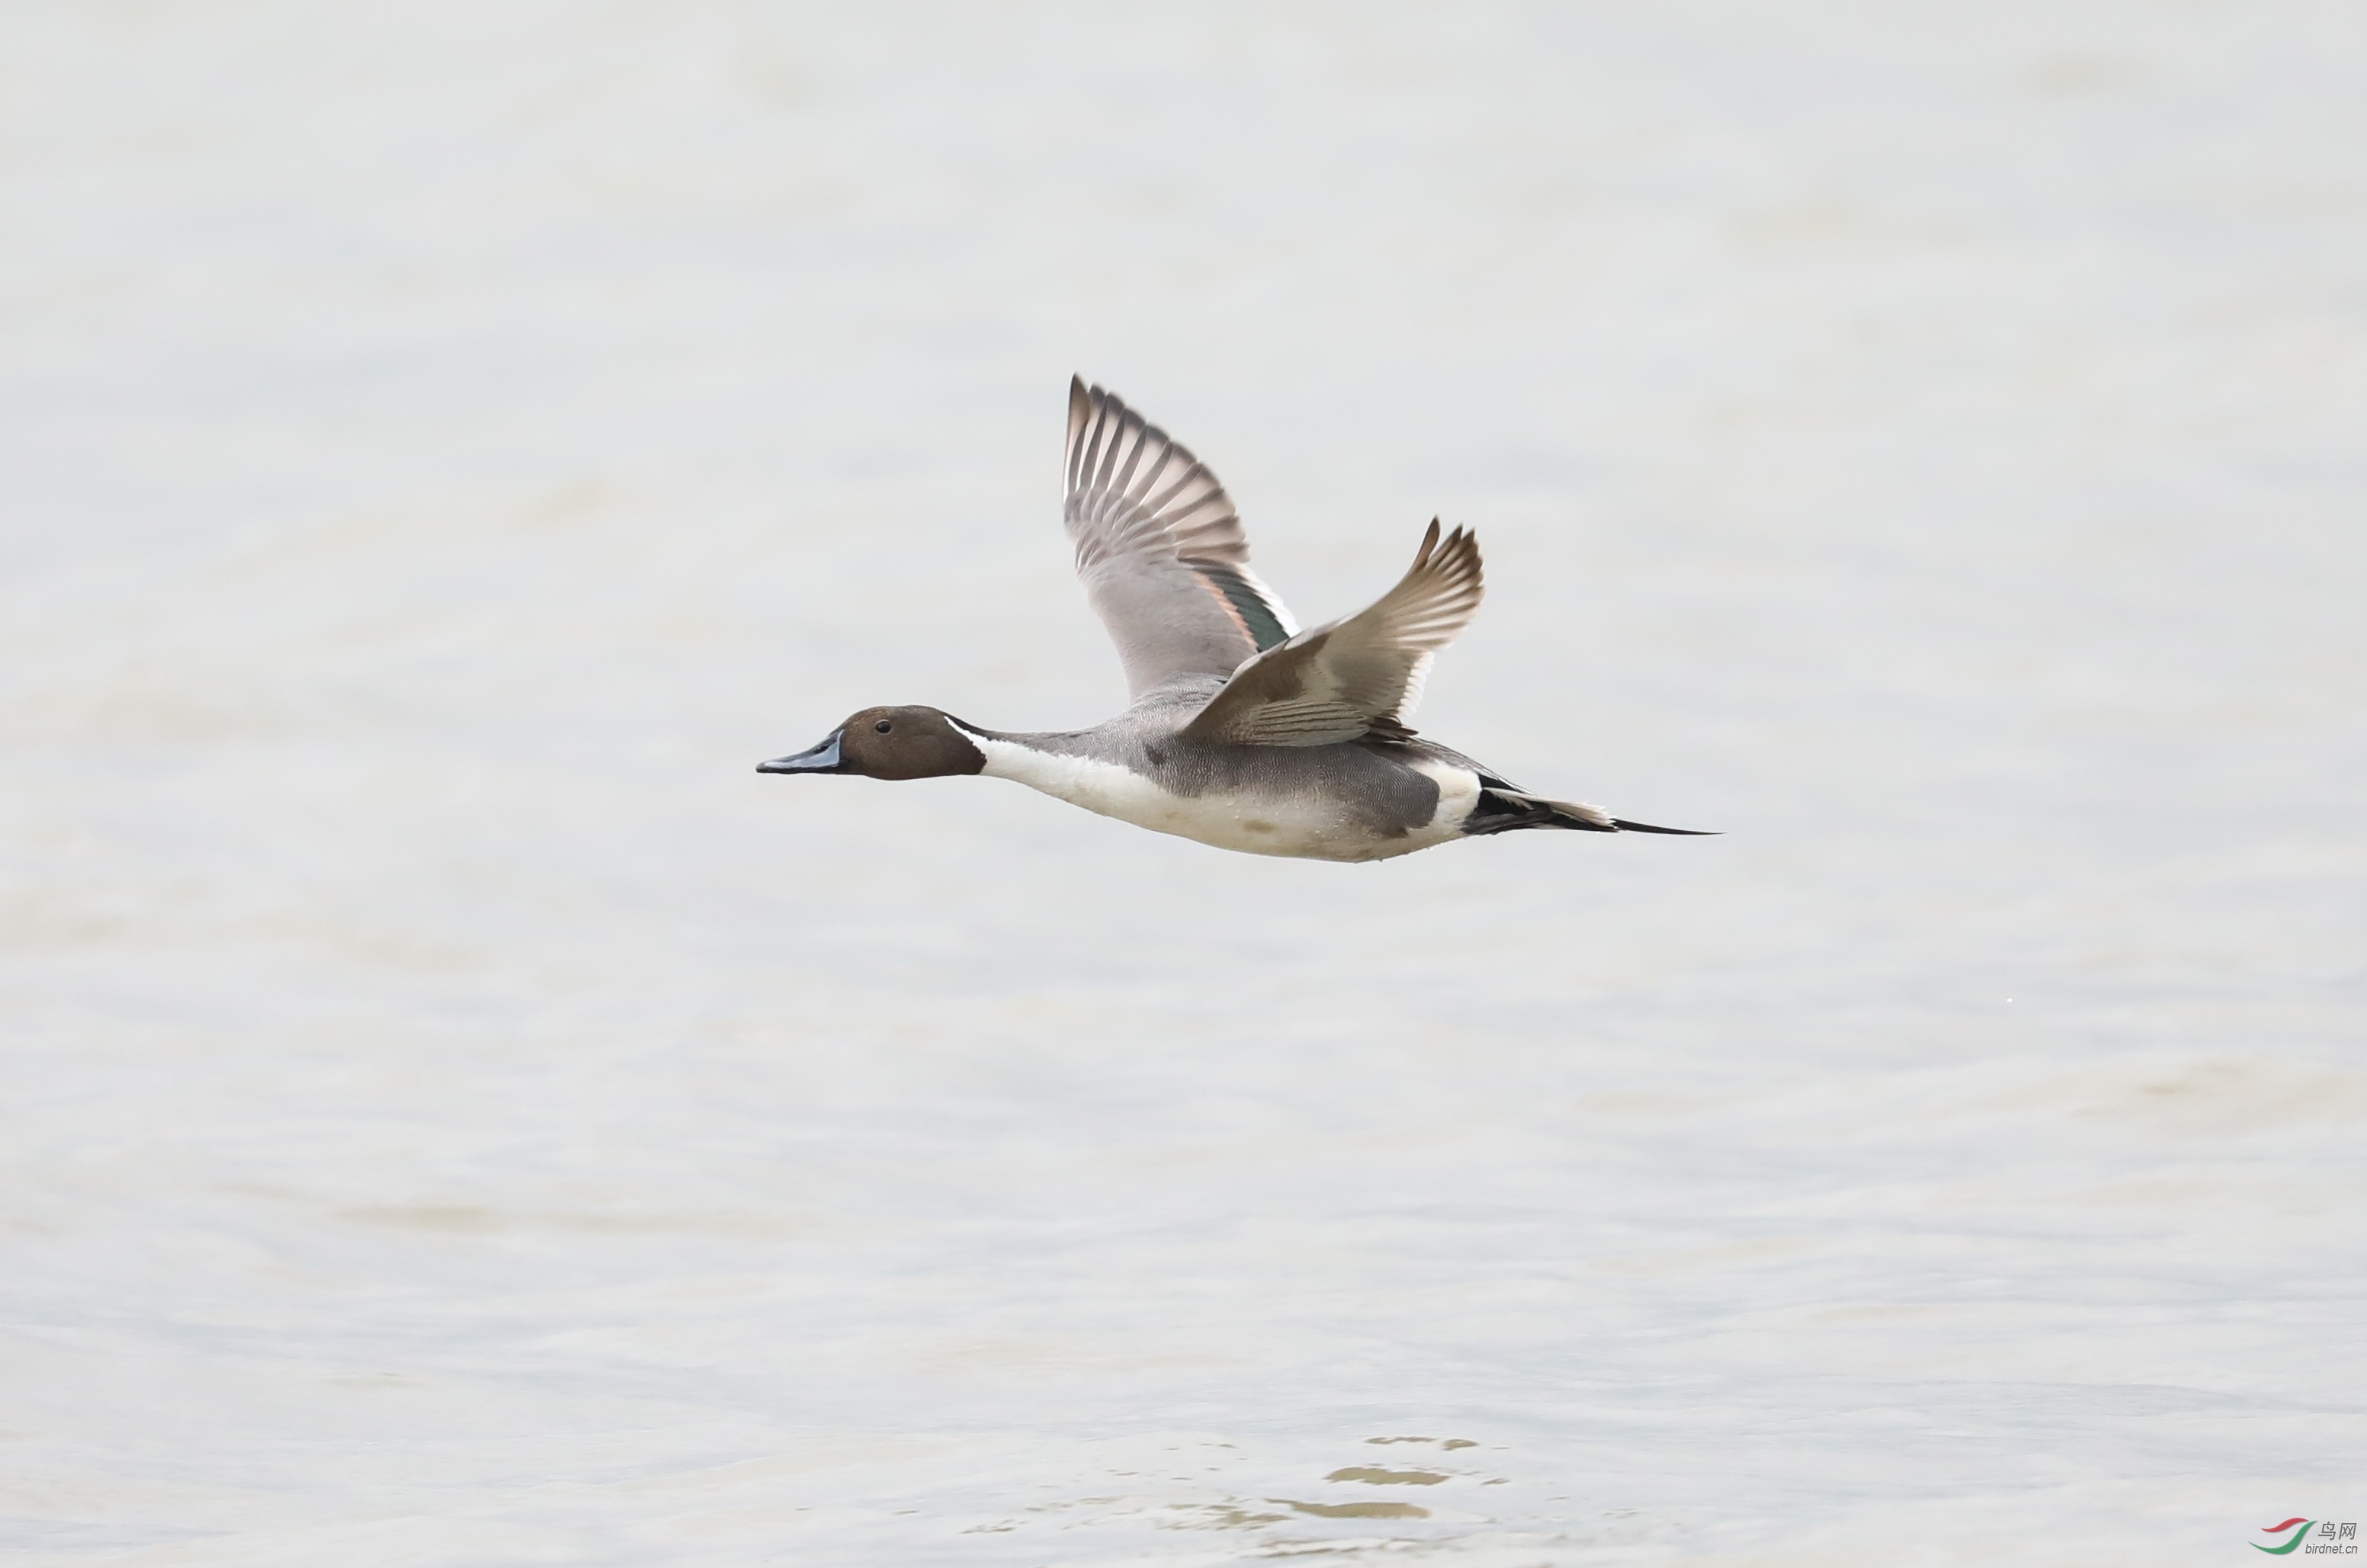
x=821 y=758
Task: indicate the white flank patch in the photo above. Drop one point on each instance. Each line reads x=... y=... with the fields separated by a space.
x=1310 y=830
x=1459 y=792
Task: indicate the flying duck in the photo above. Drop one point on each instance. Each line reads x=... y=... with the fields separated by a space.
x=1241 y=730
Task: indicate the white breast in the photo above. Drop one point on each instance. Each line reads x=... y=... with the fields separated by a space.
x=1309 y=827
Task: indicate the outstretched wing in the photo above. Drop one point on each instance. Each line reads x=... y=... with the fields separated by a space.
x=1160 y=551
x=1358 y=676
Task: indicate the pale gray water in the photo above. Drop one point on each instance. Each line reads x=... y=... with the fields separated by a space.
x=459 y=1113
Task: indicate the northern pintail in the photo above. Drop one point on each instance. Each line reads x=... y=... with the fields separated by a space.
x=1243 y=731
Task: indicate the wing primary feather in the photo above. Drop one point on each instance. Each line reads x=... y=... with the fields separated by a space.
x=1108 y=435
x=1158 y=505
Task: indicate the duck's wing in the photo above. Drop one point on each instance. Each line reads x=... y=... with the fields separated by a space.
x=1358 y=676
x=1160 y=549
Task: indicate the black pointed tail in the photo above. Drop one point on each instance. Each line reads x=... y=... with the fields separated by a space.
x=1508 y=811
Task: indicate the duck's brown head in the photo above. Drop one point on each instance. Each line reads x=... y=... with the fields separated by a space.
x=888 y=743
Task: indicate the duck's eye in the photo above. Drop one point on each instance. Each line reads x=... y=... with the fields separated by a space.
x=883 y=726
